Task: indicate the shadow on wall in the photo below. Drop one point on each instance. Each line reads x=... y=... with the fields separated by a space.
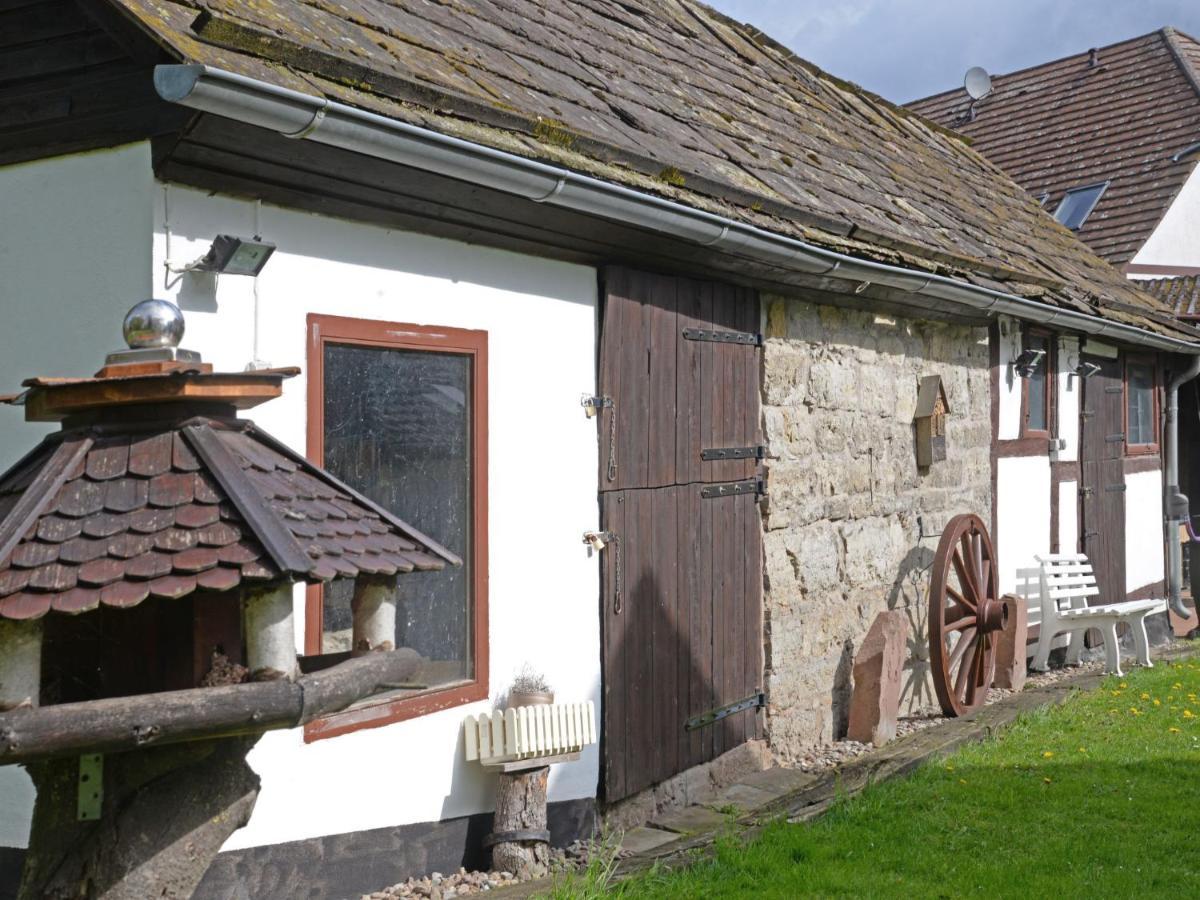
x=675 y=655
x=911 y=592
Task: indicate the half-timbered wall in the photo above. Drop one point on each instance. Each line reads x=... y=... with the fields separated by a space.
x=847 y=505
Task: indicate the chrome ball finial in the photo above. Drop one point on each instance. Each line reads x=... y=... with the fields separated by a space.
x=153 y=323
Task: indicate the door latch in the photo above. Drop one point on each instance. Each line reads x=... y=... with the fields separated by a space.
x=593 y=405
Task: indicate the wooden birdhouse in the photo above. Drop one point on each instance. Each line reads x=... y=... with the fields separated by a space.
x=148 y=552
x=930 y=421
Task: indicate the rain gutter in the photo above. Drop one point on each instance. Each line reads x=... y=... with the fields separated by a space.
x=302 y=116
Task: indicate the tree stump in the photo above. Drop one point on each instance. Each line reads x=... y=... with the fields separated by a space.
x=521 y=810
x=165 y=813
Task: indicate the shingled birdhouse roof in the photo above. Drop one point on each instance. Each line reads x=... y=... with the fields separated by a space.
x=154 y=488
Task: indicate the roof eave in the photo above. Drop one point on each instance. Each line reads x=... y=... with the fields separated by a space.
x=320 y=119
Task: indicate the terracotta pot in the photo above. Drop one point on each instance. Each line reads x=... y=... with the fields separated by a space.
x=530 y=698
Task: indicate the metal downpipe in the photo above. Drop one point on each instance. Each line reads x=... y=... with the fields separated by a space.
x=1176 y=503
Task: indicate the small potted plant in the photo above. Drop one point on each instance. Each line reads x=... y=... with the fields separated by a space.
x=530 y=688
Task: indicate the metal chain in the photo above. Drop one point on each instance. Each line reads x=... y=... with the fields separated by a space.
x=618 y=575
x=612 y=442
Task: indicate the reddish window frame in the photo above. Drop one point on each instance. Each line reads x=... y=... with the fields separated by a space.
x=1050 y=361
x=1149 y=362
x=322 y=329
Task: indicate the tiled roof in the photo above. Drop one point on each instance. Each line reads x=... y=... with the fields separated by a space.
x=97 y=516
x=1069 y=123
x=667 y=97
x=1181 y=293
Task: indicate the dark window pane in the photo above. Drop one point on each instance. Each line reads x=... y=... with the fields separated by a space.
x=398 y=429
x=1139 y=398
x=1078 y=204
x=1036 y=420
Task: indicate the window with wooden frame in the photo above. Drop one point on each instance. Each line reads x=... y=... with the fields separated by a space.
x=1037 y=387
x=1141 y=406
x=399 y=412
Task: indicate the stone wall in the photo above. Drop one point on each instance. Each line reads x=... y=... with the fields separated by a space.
x=842 y=537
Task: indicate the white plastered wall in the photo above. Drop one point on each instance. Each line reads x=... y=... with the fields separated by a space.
x=540 y=315
x=541 y=321
x=1010 y=384
x=1175 y=241
x=1144 y=563
x=1022 y=514
x=74 y=256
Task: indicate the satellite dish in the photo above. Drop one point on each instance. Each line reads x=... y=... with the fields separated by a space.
x=977 y=82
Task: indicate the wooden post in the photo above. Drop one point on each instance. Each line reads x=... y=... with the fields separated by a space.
x=374 y=610
x=20 y=663
x=270 y=632
x=521 y=816
x=166 y=813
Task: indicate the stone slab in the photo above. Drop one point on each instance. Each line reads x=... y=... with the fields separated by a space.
x=878 y=668
x=1011 y=659
x=690 y=820
x=741 y=797
x=778 y=781
x=644 y=839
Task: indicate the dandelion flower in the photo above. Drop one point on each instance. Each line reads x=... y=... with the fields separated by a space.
x=1177 y=686
x=1134 y=711
x=1187 y=714
x=1156 y=702
x=1144 y=696
x=1083 y=749
x=1173 y=730
x=1047 y=780
x=1047 y=754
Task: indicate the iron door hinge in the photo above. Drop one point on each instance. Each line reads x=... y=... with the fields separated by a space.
x=718 y=453
x=723 y=337
x=1086 y=492
x=732 y=488
x=1114 y=488
x=1114 y=439
x=754 y=701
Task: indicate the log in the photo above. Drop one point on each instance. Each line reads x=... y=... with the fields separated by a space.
x=270 y=632
x=20 y=663
x=521 y=809
x=171 y=717
x=374 y=609
x=166 y=813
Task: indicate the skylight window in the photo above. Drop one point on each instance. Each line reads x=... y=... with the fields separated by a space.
x=1078 y=204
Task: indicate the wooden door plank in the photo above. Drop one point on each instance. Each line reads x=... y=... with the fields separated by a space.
x=667 y=643
x=610 y=374
x=706 y=645
x=708 y=411
x=663 y=336
x=735 y=616
x=720 y=608
x=613 y=617
x=639 y=645
x=753 y=611
x=688 y=384
x=688 y=588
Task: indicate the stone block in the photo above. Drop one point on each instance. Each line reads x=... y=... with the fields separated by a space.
x=643 y=840
x=875 y=700
x=1010 y=648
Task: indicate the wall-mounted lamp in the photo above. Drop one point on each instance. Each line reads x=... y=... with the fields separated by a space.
x=231 y=255
x=1086 y=369
x=1026 y=364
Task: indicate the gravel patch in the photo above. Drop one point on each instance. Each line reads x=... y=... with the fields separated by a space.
x=463 y=883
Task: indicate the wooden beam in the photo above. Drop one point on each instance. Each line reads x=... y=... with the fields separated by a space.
x=173 y=717
x=283 y=548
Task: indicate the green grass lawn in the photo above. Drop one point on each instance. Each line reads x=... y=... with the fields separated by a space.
x=1097 y=798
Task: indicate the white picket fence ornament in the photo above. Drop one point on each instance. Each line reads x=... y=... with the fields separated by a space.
x=530 y=733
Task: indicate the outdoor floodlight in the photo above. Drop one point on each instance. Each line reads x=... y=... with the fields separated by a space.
x=1086 y=369
x=1026 y=364
x=231 y=255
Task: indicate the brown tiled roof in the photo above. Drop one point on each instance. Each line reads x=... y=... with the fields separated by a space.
x=95 y=517
x=1181 y=293
x=667 y=97
x=1068 y=124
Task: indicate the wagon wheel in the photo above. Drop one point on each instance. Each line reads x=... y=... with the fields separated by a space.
x=965 y=613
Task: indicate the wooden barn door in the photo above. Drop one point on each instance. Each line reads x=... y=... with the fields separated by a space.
x=679 y=487
x=1102 y=484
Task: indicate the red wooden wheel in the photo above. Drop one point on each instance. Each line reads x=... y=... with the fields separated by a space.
x=965 y=613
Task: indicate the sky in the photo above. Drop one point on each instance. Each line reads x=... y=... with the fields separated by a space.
x=906 y=49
